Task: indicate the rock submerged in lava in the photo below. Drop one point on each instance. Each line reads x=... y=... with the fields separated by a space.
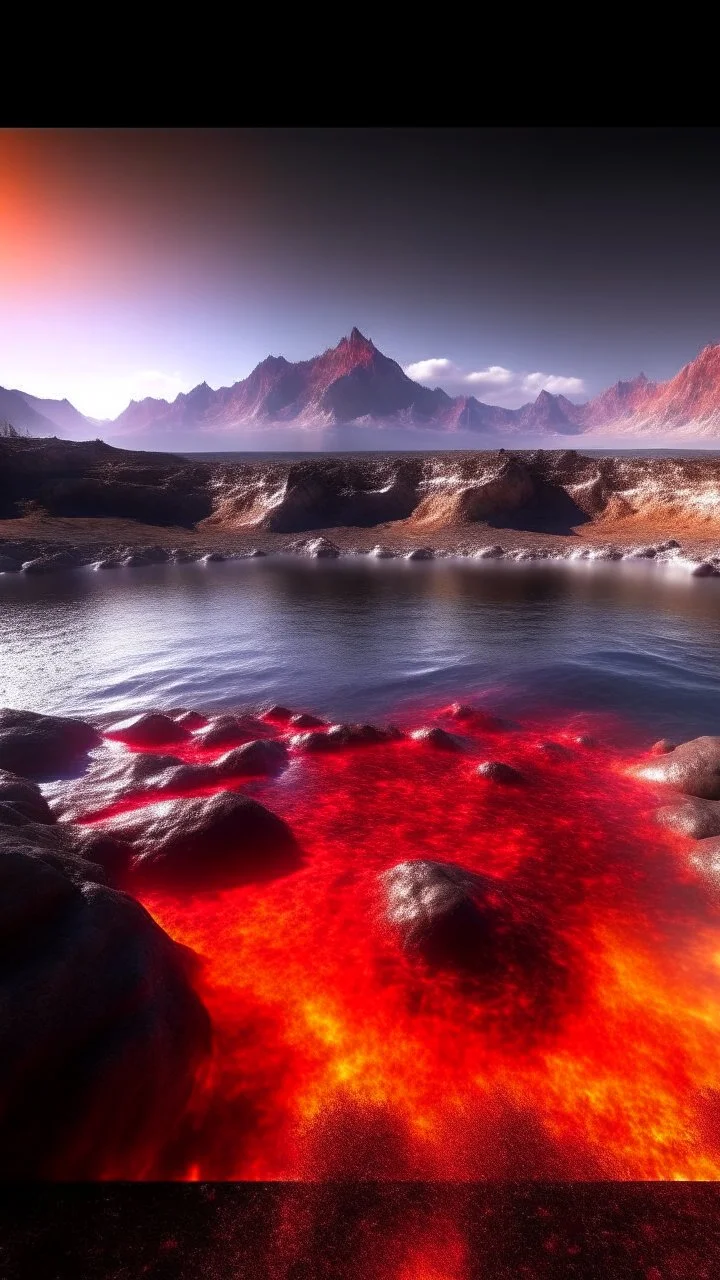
x=420 y=553
x=190 y=720
x=457 y=919
x=232 y=731
x=339 y=736
x=206 y=843
x=693 y=768
x=149 y=729
x=692 y=817
x=144 y=556
x=254 y=759
x=475 y=718
x=498 y=771
x=38 y=746
x=51 y=563
x=440 y=739
x=101 y=1032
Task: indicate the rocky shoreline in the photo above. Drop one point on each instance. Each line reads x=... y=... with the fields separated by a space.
x=86 y=503
x=42 y=556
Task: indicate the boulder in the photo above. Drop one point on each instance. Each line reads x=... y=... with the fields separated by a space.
x=438 y=738
x=210 y=842
x=110 y=562
x=231 y=731
x=190 y=720
x=496 y=552
x=283 y=715
x=38 y=746
x=262 y=757
x=420 y=553
x=693 y=768
x=382 y=553
x=24 y=798
x=555 y=750
x=662 y=747
x=116 y=777
x=302 y=720
x=692 y=817
x=456 y=919
x=149 y=729
x=8 y=565
x=101 y=1033
x=212 y=557
x=498 y=771
x=50 y=564
x=340 y=736
x=475 y=718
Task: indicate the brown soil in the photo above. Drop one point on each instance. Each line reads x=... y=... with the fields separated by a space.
x=399 y=535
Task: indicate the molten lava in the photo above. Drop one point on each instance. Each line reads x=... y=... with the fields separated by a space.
x=338 y=1055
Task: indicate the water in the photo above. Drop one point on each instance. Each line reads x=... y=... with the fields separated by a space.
x=362 y=639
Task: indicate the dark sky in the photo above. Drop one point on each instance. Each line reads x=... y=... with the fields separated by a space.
x=146 y=261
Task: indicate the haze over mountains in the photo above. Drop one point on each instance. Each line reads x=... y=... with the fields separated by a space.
x=353 y=396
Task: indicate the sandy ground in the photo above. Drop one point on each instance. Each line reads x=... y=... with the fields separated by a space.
x=108 y=534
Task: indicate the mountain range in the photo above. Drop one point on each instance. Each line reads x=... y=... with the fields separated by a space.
x=354 y=393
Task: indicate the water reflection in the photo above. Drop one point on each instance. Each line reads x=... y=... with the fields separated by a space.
x=361 y=638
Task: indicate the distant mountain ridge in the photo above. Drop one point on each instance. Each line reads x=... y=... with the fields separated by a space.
x=354 y=385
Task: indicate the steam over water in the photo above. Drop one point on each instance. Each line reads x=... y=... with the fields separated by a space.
x=357 y=639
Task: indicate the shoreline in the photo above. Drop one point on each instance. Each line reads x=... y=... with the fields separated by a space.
x=79 y=541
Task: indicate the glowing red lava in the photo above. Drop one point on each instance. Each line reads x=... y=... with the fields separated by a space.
x=339 y=1056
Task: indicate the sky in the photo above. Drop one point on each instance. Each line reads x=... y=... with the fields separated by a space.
x=489 y=261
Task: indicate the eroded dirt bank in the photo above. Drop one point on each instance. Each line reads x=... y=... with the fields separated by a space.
x=100 y=499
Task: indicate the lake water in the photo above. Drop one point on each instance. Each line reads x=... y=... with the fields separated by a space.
x=362 y=639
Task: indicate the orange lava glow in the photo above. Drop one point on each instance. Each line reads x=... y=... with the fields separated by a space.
x=338 y=1056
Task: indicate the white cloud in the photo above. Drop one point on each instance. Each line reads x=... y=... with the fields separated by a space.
x=494 y=376
x=495 y=384
x=430 y=370
x=554 y=382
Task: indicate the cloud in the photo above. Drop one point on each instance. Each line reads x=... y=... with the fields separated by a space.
x=553 y=382
x=495 y=384
x=430 y=370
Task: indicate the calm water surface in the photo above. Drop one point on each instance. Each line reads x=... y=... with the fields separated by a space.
x=363 y=639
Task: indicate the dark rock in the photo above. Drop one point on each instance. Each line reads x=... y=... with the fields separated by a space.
x=8 y=565
x=555 y=750
x=321 y=549
x=382 y=553
x=438 y=738
x=110 y=562
x=206 y=843
x=283 y=715
x=149 y=729
x=662 y=747
x=231 y=731
x=38 y=746
x=475 y=718
x=253 y=758
x=692 y=817
x=256 y=553
x=212 y=557
x=704 y=570
x=693 y=768
x=101 y=1033
x=340 y=736
x=190 y=720
x=26 y=797
x=50 y=564
x=116 y=777
x=302 y=720
x=144 y=556
x=421 y=553
x=473 y=924
x=498 y=771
